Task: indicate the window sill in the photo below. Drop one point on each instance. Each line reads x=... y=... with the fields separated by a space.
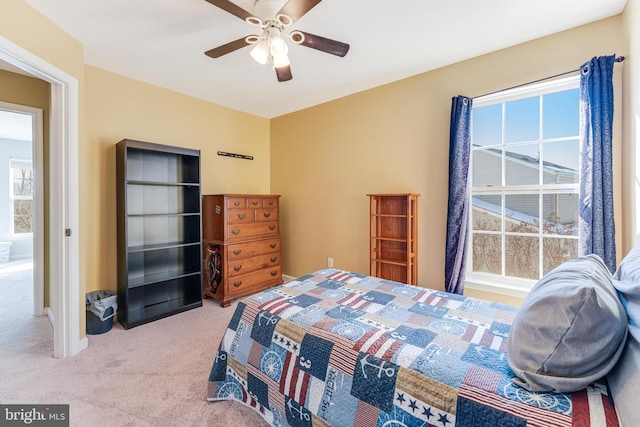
x=25 y=236
x=510 y=287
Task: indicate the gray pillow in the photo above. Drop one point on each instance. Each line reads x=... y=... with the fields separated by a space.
x=570 y=329
x=629 y=268
x=624 y=380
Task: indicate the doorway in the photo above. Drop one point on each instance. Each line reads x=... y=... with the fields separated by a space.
x=62 y=250
x=22 y=206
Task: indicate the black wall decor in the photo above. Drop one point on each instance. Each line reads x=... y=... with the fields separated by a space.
x=237 y=156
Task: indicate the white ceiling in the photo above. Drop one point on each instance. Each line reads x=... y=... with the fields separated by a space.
x=162 y=42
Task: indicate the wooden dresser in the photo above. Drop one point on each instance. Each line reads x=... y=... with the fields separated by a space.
x=240 y=245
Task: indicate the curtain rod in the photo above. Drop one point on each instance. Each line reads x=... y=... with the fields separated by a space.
x=617 y=59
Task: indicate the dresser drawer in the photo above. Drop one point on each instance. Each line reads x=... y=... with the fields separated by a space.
x=247 y=265
x=266 y=214
x=254 y=202
x=255 y=229
x=249 y=283
x=236 y=202
x=249 y=249
x=241 y=216
x=270 y=202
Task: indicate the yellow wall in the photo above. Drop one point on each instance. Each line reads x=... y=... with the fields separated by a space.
x=631 y=132
x=25 y=90
x=394 y=138
x=116 y=108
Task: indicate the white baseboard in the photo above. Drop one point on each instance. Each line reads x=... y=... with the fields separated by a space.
x=49 y=314
x=287 y=278
x=82 y=344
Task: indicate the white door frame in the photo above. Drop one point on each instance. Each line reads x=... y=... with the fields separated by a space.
x=64 y=286
x=38 y=200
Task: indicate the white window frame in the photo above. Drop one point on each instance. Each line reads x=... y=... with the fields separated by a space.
x=13 y=197
x=512 y=286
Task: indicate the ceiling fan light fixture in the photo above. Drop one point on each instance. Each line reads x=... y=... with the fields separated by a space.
x=260 y=52
x=281 y=60
x=278 y=46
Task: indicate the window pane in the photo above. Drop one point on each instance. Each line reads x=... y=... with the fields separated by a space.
x=521 y=213
x=487 y=125
x=487 y=253
x=561 y=161
x=487 y=167
x=523 y=164
x=522 y=120
x=22 y=216
x=522 y=257
x=522 y=148
x=22 y=182
x=560 y=213
x=557 y=251
x=486 y=212
x=561 y=114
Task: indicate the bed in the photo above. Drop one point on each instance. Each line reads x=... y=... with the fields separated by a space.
x=339 y=348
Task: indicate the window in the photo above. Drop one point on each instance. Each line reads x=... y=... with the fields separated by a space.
x=21 y=196
x=525 y=182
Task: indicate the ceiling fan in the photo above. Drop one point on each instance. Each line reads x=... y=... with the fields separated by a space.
x=272 y=17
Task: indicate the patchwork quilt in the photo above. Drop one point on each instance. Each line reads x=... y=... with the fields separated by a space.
x=336 y=348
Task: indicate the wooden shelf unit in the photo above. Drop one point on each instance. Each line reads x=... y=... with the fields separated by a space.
x=158 y=214
x=393 y=237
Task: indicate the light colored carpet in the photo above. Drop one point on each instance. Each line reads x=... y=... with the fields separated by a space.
x=152 y=375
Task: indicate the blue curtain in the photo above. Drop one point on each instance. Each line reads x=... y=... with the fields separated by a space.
x=597 y=230
x=458 y=212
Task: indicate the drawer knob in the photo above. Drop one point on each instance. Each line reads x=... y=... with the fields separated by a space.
x=272 y=227
x=254 y=203
x=237 y=267
x=270 y=202
x=274 y=273
x=273 y=245
x=236 y=203
x=267 y=214
x=237 y=284
x=242 y=216
x=274 y=259
x=235 y=232
x=237 y=251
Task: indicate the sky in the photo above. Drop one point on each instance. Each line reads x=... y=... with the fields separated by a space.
x=560 y=113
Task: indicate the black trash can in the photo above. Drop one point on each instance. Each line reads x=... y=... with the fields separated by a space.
x=101 y=306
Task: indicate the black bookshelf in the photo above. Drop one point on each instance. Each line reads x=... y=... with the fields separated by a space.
x=159 y=238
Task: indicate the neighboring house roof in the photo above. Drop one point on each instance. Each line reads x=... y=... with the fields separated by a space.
x=532 y=162
x=496 y=210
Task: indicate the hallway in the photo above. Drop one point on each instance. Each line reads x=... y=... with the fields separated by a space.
x=22 y=334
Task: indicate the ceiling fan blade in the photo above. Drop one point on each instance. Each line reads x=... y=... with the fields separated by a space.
x=320 y=43
x=284 y=73
x=295 y=9
x=217 y=52
x=230 y=7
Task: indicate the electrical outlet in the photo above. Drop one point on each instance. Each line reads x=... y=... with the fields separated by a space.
x=329 y=262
